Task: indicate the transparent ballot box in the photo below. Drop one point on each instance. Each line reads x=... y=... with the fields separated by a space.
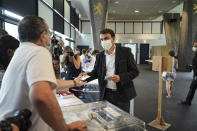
x=103 y=116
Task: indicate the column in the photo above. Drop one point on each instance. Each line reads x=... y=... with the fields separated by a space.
x=188 y=30
x=98 y=14
x=172 y=29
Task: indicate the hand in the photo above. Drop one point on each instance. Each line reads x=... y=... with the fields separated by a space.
x=115 y=78
x=14 y=127
x=61 y=43
x=79 y=82
x=77 y=125
x=83 y=74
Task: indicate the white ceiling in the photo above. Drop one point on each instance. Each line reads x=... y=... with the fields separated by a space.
x=125 y=9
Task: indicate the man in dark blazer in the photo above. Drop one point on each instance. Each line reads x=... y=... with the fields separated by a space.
x=115 y=69
x=193 y=85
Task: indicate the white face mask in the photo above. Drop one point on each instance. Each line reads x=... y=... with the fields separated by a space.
x=106 y=44
x=194 y=49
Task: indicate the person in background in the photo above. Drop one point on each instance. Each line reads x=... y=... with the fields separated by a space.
x=77 y=51
x=82 y=58
x=29 y=80
x=89 y=52
x=56 y=66
x=170 y=76
x=115 y=69
x=93 y=58
x=3 y=32
x=8 y=45
x=193 y=85
x=72 y=65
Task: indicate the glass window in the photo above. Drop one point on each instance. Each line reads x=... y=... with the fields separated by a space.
x=13 y=15
x=12 y=29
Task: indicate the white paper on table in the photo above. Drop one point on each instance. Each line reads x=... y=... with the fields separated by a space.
x=69 y=101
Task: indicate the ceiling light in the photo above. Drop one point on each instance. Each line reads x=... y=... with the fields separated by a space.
x=117 y=2
x=130 y=41
x=113 y=11
x=136 y=11
x=174 y=1
x=160 y=11
x=13 y=15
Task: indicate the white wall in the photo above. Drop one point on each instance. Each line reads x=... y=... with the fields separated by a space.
x=67 y=17
x=177 y=9
x=66 y=11
x=86 y=27
x=46 y=13
x=152 y=39
x=85 y=40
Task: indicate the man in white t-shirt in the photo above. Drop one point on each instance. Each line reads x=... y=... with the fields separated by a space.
x=29 y=80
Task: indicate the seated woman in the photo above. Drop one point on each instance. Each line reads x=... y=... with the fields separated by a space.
x=8 y=45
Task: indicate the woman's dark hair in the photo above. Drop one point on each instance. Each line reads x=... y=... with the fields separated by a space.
x=30 y=28
x=56 y=58
x=83 y=51
x=172 y=53
x=95 y=52
x=7 y=42
x=108 y=31
x=68 y=49
x=3 y=32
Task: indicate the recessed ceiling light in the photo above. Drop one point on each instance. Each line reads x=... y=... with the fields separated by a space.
x=136 y=11
x=174 y=1
x=117 y=2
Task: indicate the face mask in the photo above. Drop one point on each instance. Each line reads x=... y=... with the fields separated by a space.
x=106 y=44
x=194 y=49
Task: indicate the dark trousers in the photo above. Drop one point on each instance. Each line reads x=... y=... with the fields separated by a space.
x=112 y=97
x=191 y=92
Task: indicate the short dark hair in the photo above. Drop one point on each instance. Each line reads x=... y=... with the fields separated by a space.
x=7 y=42
x=108 y=31
x=3 y=32
x=30 y=28
x=195 y=38
x=172 y=53
x=95 y=52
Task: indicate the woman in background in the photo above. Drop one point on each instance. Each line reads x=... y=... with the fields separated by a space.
x=8 y=45
x=72 y=65
x=170 y=76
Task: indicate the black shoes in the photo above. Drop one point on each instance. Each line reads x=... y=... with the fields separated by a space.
x=185 y=103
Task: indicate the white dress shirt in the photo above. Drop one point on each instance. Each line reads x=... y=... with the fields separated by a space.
x=110 y=66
